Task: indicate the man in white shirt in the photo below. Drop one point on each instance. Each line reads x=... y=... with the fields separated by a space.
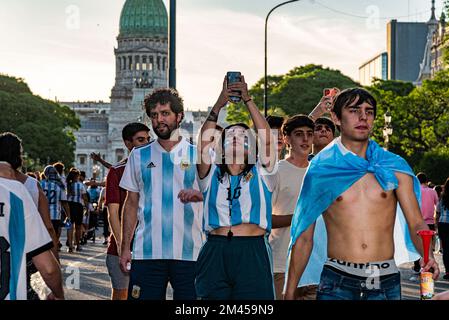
x=298 y=136
x=23 y=237
x=168 y=234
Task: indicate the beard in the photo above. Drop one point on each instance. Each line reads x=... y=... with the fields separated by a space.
x=166 y=134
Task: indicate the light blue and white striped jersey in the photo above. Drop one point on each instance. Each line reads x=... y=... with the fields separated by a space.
x=22 y=235
x=444 y=212
x=75 y=192
x=55 y=195
x=167 y=228
x=251 y=195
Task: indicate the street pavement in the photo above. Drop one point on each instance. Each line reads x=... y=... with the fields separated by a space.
x=94 y=283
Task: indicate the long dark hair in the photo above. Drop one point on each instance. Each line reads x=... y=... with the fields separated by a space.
x=253 y=150
x=445 y=195
x=71 y=179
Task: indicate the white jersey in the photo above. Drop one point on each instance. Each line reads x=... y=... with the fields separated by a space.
x=55 y=194
x=31 y=185
x=22 y=236
x=167 y=228
x=233 y=200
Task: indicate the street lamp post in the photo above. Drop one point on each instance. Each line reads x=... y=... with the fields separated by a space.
x=172 y=46
x=388 y=129
x=265 y=92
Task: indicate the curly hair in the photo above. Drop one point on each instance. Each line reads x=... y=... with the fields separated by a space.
x=164 y=96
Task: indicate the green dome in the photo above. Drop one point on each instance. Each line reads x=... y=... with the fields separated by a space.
x=144 y=18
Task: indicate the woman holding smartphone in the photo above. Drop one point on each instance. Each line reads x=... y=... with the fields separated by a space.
x=235 y=262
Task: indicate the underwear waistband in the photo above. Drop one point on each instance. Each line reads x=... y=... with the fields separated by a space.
x=364 y=270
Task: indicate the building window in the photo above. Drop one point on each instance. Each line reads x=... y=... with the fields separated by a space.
x=137 y=60
x=130 y=63
x=119 y=154
x=158 y=63
x=82 y=160
x=164 y=63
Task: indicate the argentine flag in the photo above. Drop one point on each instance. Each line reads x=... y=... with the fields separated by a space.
x=333 y=171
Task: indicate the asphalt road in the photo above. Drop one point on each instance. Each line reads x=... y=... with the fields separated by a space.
x=86 y=276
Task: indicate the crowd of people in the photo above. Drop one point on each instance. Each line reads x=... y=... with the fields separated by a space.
x=287 y=209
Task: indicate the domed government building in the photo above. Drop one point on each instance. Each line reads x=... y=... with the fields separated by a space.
x=141 y=63
x=141 y=60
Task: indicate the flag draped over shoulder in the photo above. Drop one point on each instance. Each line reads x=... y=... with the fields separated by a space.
x=333 y=171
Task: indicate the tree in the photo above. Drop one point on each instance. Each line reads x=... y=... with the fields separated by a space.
x=46 y=128
x=420 y=118
x=435 y=164
x=296 y=92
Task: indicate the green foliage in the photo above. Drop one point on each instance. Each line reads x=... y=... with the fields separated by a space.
x=296 y=92
x=46 y=128
x=420 y=119
x=435 y=164
x=13 y=85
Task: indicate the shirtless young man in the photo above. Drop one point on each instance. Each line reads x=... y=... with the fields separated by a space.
x=356 y=190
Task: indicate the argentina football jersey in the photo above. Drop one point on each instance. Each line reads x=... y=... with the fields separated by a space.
x=55 y=195
x=167 y=228
x=22 y=236
x=75 y=192
x=248 y=196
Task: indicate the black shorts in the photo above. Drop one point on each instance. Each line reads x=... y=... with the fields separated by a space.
x=234 y=269
x=76 y=213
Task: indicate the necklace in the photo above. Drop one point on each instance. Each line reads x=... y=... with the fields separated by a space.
x=232 y=195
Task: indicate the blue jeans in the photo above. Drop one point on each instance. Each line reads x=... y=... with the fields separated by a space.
x=151 y=278
x=336 y=286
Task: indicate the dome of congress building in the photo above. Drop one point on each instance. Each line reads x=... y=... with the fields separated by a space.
x=143 y=18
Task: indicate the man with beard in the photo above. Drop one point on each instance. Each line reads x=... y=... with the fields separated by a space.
x=159 y=178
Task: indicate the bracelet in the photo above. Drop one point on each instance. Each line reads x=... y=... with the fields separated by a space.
x=245 y=102
x=213 y=116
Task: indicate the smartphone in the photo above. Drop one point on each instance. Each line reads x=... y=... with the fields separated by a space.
x=330 y=92
x=232 y=77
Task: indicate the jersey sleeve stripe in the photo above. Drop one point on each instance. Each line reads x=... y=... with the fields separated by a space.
x=40 y=250
x=17 y=241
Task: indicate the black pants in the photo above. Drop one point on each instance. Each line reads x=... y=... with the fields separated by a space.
x=235 y=269
x=104 y=215
x=443 y=233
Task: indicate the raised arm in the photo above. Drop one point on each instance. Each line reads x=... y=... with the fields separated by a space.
x=325 y=104
x=267 y=152
x=97 y=157
x=207 y=132
x=299 y=257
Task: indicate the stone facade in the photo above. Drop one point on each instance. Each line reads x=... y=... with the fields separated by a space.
x=141 y=60
x=439 y=44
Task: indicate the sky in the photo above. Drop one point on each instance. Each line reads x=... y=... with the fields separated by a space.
x=65 y=49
